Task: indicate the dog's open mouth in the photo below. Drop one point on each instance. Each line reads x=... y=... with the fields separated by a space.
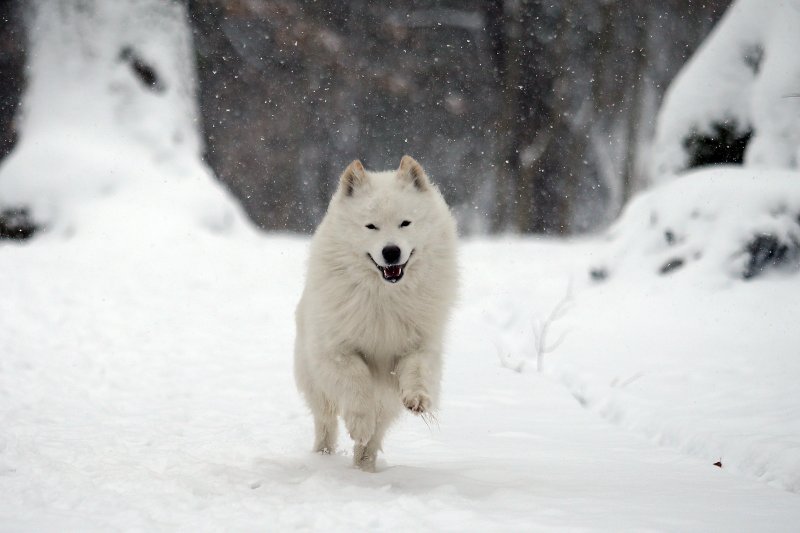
x=392 y=273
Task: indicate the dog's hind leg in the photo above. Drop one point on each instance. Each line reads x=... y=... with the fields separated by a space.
x=364 y=456
x=326 y=425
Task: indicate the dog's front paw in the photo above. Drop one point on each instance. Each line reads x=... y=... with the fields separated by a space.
x=360 y=426
x=417 y=402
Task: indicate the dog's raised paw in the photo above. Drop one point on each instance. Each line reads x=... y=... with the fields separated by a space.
x=418 y=403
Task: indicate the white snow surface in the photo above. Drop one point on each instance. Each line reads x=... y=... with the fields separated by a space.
x=746 y=72
x=146 y=384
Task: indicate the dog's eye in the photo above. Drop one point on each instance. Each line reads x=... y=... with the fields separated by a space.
x=371 y=226
x=405 y=223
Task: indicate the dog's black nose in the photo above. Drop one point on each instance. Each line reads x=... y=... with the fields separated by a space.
x=391 y=253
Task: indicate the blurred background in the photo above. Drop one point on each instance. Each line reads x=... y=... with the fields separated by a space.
x=532 y=116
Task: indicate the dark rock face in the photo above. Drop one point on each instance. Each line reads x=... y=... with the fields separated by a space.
x=598 y=273
x=12 y=66
x=671 y=265
x=16 y=224
x=144 y=72
x=768 y=252
x=724 y=145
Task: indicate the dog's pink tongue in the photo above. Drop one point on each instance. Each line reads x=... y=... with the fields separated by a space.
x=392 y=271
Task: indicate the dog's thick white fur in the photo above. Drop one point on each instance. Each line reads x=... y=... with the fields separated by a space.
x=381 y=281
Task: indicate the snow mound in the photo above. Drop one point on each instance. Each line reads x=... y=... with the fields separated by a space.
x=708 y=369
x=109 y=123
x=724 y=220
x=736 y=100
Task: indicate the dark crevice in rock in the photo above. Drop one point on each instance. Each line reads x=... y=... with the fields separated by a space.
x=725 y=144
x=144 y=72
x=671 y=265
x=767 y=251
x=17 y=224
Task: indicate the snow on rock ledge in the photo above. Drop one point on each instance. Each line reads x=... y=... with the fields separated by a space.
x=735 y=100
x=109 y=124
x=739 y=222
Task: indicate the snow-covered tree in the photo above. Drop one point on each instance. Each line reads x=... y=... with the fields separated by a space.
x=738 y=99
x=110 y=111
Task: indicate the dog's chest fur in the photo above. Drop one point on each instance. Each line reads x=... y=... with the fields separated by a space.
x=379 y=327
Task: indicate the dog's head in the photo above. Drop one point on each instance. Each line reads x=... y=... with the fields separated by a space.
x=389 y=217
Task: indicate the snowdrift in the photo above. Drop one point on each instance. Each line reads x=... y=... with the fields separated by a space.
x=109 y=123
x=722 y=221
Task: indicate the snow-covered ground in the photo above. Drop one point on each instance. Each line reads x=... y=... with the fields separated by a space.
x=145 y=383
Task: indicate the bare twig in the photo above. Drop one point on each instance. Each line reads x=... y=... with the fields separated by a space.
x=542 y=328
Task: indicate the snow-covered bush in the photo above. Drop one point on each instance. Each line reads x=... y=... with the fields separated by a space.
x=736 y=100
x=724 y=219
x=110 y=113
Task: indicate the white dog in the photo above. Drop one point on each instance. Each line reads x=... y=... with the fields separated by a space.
x=380 y=285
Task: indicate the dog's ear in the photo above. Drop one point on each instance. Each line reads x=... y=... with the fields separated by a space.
x=412 y=172
x=353 y=177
